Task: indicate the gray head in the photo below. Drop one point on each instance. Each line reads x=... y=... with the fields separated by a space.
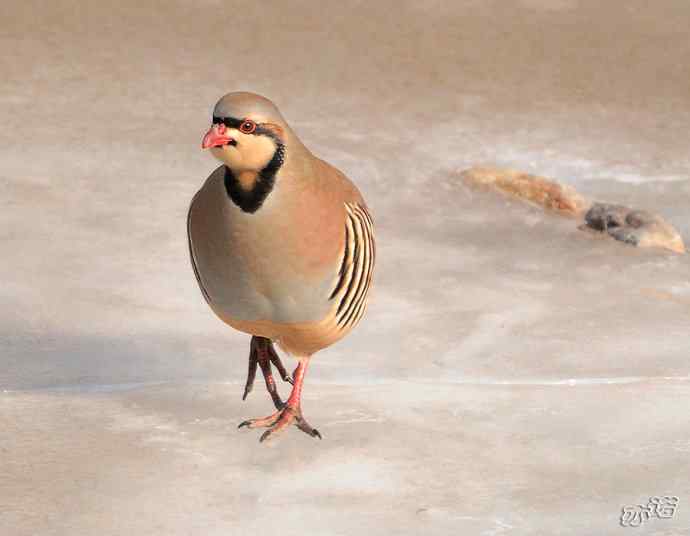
x=242 y=104
x=247 y=132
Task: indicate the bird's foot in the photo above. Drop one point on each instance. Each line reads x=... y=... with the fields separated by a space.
x=280 y=420
x=263 y=354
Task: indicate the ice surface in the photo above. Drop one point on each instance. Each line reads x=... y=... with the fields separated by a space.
x=512 y=376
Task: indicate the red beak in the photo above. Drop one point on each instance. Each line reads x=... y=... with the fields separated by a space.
x=216 y=137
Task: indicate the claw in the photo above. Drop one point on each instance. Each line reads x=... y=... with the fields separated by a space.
x=286 y=414
x=279 y=421
x=305 y=427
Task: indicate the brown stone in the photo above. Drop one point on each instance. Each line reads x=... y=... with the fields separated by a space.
x=544 y=192
x=637 y=227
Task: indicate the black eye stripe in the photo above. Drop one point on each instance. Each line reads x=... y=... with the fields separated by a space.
x=260 y=130
x=229 y=122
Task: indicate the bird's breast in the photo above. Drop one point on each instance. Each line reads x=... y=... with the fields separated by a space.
x=277 y=264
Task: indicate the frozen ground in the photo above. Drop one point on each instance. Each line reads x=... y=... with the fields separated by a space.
x=513 y=375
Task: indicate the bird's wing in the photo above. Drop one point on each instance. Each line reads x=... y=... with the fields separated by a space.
x=192 y=257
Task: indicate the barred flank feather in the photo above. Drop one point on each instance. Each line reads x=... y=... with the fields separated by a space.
x=357 y=268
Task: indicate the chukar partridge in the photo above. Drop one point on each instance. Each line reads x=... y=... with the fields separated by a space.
x=282 y=246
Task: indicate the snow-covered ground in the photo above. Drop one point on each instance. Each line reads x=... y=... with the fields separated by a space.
x=512 y=376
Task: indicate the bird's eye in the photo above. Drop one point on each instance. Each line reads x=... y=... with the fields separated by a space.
x=247 y=126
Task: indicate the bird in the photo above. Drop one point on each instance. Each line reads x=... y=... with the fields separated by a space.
x=282 y=247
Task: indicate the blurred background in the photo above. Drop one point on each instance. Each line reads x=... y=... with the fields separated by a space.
x=512 y=375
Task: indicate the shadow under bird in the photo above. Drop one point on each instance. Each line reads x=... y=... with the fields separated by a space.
x=282 y=246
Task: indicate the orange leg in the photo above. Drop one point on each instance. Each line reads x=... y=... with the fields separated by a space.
x=290 y=413
x=262 y=353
